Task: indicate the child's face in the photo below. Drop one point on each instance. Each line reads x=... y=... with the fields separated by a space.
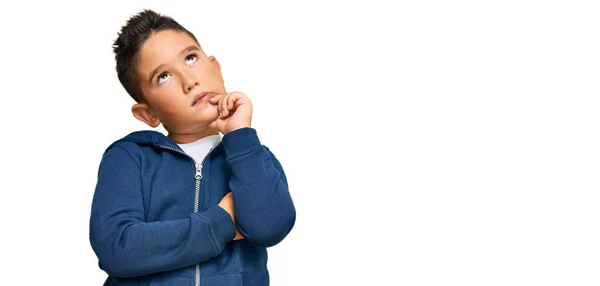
x=173 y=70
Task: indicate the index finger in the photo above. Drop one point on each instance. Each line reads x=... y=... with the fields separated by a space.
x=215 y=98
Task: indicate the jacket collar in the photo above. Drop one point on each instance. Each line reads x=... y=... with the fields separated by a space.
x=151 y=137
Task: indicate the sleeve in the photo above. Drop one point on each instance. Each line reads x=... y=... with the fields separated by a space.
x=264 y=209
x=127 y=246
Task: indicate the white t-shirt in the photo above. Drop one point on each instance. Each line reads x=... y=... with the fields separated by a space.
x=200 y=148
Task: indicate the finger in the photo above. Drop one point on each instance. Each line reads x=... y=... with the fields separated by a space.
x=224 y=106
x=221 y=105
x=240 y=99
x=215 y=98
x=231 y=99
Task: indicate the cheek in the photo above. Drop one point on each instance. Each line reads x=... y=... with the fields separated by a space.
x=217 y=76
x=210 y=75
x=206 y=107
x=171 y=101
x=206 y=112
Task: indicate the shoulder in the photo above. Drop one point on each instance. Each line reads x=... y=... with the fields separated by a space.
x=138 y=138
x=134 y=144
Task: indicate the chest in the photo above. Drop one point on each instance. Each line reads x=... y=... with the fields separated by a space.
x=172 y=190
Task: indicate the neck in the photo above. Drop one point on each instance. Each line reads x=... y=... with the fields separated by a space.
x=184 y=138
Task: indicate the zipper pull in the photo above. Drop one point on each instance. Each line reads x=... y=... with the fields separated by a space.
x=198 y=175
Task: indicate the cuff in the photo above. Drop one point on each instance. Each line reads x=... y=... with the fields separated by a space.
x=240 y=141
x=221 y=225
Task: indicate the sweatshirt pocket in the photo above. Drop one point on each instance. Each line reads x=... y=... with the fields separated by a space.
x=222 y=280
x=171 y=281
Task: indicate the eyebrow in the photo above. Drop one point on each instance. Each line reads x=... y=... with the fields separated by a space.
x=184 y=51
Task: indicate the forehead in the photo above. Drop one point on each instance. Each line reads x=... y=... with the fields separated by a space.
x=161 y=48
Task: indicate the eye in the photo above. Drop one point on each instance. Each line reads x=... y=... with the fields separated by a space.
x=163 y=77
x=191 y=58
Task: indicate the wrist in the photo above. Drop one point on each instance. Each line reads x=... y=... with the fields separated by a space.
x=236 y=128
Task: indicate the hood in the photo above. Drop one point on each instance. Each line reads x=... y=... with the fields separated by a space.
x=147 y=137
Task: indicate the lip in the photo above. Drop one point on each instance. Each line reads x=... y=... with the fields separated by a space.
x=201 y=97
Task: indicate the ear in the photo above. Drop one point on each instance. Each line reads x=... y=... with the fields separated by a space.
x=142 y=112
x=217 y=65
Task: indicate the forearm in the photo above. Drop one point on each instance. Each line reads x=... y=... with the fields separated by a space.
x=264 y=209
x=127 y=245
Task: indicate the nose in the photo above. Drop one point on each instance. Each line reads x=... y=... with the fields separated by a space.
x=190 y=81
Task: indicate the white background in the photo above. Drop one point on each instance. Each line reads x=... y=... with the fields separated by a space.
x=425 y=142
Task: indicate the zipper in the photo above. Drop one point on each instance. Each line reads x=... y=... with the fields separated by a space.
x=197 y=177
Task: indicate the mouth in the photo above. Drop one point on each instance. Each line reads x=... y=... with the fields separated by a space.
x=203 y=96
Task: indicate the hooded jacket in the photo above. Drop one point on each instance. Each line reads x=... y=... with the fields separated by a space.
x=155 y=218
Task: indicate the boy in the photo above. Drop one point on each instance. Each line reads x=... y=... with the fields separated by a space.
x=193 y=207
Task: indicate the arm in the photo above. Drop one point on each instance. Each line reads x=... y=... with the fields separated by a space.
x=264 y=210
x=127 y=246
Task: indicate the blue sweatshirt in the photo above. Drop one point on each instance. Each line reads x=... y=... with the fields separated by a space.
x=155 y=218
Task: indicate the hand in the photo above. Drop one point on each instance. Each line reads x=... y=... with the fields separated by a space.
x=226 y=203
x=234 y=109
